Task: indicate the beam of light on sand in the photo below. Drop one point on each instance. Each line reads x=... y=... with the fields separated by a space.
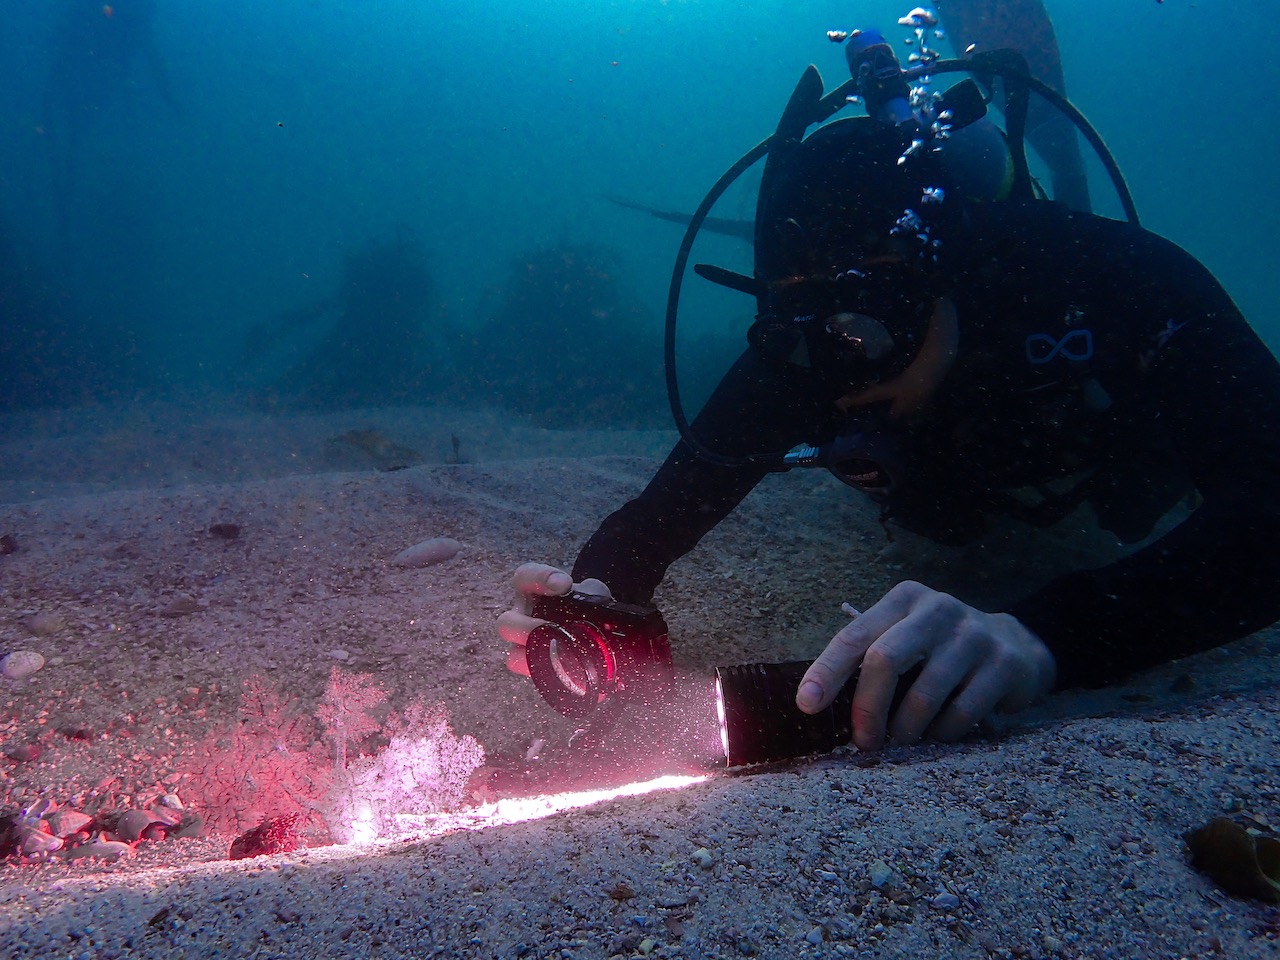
x=510 y=810
x=520 y=809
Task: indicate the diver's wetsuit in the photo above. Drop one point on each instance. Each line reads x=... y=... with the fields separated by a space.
x=1088 y=349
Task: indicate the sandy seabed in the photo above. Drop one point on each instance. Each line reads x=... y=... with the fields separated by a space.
x=1057 y=835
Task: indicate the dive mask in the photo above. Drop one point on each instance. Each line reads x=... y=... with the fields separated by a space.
x=861 y=326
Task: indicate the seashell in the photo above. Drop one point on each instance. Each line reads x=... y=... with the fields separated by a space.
x=1237 y=860
x=66 y=822
x=130 y=826
x=35 y=840
x=107 y=850
x=21 y=664
x=428 y=552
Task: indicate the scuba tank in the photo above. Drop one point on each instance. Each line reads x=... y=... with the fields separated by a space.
x=984 y=164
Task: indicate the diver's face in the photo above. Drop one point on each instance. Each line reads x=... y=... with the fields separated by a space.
x=911 y=390
x=859 y=338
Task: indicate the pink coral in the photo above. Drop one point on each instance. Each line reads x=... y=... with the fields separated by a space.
x=424 y=770
x=345 y=710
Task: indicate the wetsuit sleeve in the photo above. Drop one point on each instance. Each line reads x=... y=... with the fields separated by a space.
x=1216 y=576
x=756 y=408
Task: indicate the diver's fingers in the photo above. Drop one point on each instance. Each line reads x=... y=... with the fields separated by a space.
x=514 y=626
x=597 y=588
x=926 y=702
x=542 y=580
x=517 y=663
x=923 y=615
x=972 y=705
x=835 y=665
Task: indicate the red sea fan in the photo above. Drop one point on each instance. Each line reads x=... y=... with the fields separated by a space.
x=268 y=764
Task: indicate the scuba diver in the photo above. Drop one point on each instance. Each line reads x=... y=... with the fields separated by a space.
x=959 y=360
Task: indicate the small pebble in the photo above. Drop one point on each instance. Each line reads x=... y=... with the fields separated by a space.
x=21 y=664
x=428 y=553
x=24 y=753
x=880 y=873
x=702 y=857
x=945 y=901
x=815 y=936
x=180 y=607
x=44 y=624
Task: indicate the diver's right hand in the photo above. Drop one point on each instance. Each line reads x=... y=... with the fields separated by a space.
x=533 y=580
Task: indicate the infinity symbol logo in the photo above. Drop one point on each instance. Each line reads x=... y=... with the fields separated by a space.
x=1076 y=345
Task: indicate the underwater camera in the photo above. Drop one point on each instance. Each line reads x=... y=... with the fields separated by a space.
x=594 y=655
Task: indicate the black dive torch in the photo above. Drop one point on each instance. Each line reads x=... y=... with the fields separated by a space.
x=759 y=719
x=594 y=657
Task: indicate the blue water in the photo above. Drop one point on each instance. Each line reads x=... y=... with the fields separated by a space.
x=481 y=135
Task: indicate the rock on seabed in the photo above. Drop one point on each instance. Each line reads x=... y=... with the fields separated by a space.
x=428 y=552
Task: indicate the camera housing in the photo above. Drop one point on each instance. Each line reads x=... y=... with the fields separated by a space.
x=593 y=651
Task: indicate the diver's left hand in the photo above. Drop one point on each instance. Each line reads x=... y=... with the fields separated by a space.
x=974 y=664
